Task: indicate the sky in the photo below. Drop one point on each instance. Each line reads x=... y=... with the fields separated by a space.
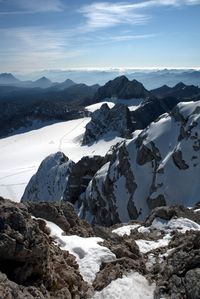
x=65 y=34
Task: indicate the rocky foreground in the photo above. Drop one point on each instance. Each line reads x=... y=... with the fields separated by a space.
x=46 y=251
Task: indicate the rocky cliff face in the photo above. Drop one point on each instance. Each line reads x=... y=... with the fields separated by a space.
x=159 y=167
x=116 y=121
x=31 y=265
x=122 y=88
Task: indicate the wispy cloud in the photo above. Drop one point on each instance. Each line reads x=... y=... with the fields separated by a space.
x=34 y=47
x=10 y=7
x=100 y=15
x=105 y=14
x=121 y=38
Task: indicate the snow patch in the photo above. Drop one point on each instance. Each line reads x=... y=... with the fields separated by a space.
x=89 y=254
x=125 y=230
x=133 y=285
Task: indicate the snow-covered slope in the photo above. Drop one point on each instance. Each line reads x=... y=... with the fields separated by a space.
x=51 y=179
x=21 y=154
x=161 y=166
x=132 y=104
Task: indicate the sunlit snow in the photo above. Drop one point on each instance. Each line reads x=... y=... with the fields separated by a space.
x=89 y=254
x=21 y=154
x=132 y=286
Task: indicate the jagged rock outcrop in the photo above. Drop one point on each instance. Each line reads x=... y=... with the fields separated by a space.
x=60 y=179
x=180 y=272
x=165 y=249
x=116 y=121
x=31 y=266
x=50 y=181
x=81 y=174
x=122 y=88
x=167 y=213
x=159 y=167
x=62 y=214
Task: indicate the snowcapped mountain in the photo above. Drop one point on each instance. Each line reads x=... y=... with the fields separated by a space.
x=158 y=167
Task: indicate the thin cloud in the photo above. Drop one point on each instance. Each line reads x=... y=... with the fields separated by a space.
x=104 y=14
x=121 y=38
x=33 y=46
x=100 y=15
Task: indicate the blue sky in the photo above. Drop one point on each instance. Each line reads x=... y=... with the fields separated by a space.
x=64 y=34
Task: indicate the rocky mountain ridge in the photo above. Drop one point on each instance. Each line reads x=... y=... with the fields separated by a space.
x=180 y=90
x=43 y=101
x=158 y=167
x=114 y=121
x=122 y=88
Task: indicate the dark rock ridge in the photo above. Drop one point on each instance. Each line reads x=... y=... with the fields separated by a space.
x=150 y=110
x=122 y=88
x=31 y=266
x=180 y=90
x=81 y=174
x=22 y=107
x=116 y=121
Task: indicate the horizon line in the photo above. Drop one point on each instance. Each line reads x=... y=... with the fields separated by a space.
x=105 y=69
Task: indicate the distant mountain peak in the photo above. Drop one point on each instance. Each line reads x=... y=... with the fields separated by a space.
x=43 y=82
x=69 y=81
x=122 y=88
x=8 y=78
x=180 y=85
x=43 y=79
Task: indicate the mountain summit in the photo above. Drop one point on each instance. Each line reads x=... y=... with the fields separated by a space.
x=43 y=82
x=8 y=79
x=122 y=88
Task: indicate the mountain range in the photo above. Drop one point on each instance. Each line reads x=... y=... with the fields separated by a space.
x=151 y=79
x=106 y=181
x=43 y=100
x=43 y=82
